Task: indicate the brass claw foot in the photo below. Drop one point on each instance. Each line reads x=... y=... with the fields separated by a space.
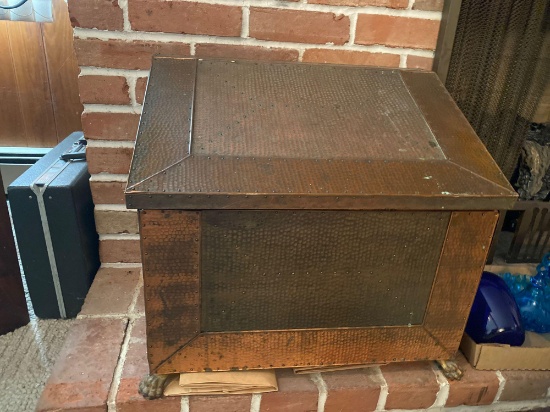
x=450 y=369
x=152 y=386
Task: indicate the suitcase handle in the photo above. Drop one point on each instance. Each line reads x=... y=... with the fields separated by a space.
x=77 y=151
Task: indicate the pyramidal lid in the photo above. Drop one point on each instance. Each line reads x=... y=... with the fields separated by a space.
x=217 y=134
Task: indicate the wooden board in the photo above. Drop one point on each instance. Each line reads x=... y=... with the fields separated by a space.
x=12 y=131
x=32 y=82
x=62 y=71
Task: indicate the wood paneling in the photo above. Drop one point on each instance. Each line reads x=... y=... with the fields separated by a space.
x=11 y=115
x=32 y=82
x=39 y=103
x=62 y=70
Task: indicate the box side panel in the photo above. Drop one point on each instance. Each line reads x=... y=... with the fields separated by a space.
x=461 y=264
x=170 y=247
x=268 y=270
x=313 y=344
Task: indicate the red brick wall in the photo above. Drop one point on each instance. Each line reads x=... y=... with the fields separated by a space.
x=115 y=39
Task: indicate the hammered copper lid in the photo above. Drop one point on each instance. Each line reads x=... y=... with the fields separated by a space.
x=260 y=135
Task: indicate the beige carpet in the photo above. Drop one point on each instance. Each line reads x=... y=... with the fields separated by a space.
x=27 y=356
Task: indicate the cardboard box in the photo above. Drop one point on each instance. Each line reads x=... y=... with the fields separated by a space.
x=534 y=354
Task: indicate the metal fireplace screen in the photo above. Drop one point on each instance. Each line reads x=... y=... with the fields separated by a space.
x=269 y=270
x=499 y=65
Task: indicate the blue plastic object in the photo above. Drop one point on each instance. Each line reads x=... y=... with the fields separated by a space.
x=495 y=317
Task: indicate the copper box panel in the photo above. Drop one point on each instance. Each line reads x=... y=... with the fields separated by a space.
x=268 y=270
x=184 y=331
x=366 y=114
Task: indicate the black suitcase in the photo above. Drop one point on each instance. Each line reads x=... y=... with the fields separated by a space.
x=53 y=216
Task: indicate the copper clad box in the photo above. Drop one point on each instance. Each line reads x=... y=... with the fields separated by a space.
x=299 y=214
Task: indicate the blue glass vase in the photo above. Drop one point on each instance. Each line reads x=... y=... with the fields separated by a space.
x=516 y=283
x=495 y=317
x=534 y=304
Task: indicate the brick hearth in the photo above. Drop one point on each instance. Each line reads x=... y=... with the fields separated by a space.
x=104 y=358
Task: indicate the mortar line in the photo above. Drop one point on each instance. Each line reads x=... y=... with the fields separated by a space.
x=403 y=61
x=255 y=402
x=107 y=71
x=106 y=316
x=352 y=28
x=501 y=385
x=318 y=380
x=111 y=108
x=109 y=177
x=245 y=28
x=132 y=83
x=444 y=388
x=123 y=4
x=384 y=392
x=184 y=405
x=113 y=207
x=113 y=390
x=121 y=265
x=139 y=285
x=116 y=144
x=118 y=236
x=102 y=316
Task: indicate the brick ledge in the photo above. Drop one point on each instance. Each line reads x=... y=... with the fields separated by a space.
x=112 y=385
